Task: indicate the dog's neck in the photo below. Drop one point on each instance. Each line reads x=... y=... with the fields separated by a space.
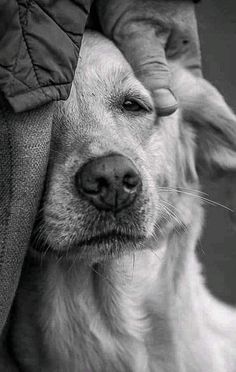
x=138 y=311
x=143 y=312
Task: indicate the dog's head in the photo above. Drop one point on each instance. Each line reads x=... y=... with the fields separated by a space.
x=117 y=173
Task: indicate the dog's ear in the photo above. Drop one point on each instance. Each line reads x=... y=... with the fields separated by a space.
x=213 y=121
x=214 y=124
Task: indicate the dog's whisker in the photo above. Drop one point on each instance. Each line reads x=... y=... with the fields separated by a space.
x=173 y=210
x=172 y=214
x=169 y=218
x=197 y=191
x=205 y=200
x=133 y=264
x=155 y=253
x=60 y=154
x=103 y=277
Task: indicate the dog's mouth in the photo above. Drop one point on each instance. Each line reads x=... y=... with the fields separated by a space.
x=97 y=247
x=109 y=238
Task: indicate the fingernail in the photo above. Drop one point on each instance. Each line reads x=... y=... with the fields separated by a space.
x=165 y=102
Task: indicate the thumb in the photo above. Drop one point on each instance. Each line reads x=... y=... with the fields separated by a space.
x=145 y=51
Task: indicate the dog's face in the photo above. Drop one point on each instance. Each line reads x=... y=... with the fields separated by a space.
x=116 y=171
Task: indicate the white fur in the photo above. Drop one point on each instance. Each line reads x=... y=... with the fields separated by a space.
x=146 y=310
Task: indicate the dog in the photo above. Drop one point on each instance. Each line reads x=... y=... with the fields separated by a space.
x=111 y=281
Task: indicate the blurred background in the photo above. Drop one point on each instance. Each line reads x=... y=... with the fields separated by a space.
x=217 y=249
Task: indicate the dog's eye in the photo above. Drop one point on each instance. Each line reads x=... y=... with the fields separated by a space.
x=134 y=106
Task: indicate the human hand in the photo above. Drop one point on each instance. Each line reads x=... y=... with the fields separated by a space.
x=148 y=32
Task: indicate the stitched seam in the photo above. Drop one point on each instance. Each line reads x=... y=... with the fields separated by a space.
x=41 y=88
x=59 y=26
x=83 y=8
x=20 y=42
x=15 y=77
x=26 y=43
x=18 y=54
x=36 y=88
x=30 y=89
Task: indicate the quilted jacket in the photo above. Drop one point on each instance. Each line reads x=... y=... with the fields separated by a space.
x=39 y=47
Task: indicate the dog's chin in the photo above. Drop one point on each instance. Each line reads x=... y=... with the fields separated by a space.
x=99 y=248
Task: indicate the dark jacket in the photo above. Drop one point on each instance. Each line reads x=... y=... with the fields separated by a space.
x=39 y=47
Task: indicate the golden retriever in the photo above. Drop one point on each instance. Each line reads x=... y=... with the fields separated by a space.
x=112 y=282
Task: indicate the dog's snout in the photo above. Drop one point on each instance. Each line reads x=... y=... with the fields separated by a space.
x=110 y=182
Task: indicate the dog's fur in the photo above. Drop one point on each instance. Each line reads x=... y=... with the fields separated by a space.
x=138 y=303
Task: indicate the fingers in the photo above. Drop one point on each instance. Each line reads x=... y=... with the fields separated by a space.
x=141 y=30
x=145 y=31
x=144 y=49
x=165 y=102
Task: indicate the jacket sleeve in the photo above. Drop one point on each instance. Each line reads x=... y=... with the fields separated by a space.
x=39 y=48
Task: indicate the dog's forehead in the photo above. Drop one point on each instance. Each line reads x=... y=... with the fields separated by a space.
x=101 y=60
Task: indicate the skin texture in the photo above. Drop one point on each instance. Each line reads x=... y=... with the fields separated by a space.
x=135 y=305
x=148 y=32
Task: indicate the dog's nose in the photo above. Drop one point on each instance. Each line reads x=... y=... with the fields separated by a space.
x=110 y=182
